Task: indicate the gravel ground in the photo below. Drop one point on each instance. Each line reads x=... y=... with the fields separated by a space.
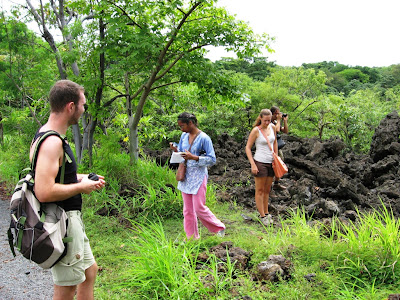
x=19 y=278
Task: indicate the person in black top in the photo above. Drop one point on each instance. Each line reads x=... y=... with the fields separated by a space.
x=76 y=272
x=281 y=123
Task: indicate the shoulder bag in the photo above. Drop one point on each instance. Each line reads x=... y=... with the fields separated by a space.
x=278 y=165
x=181 y=172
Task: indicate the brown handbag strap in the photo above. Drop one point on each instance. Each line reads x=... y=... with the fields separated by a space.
x=190 y=147
x=269 y=144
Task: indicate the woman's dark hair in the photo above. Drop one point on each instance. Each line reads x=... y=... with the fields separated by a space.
x=273 y=109
x=186 y=117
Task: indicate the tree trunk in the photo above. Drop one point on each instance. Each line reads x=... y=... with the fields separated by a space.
x=91 y=142
x=1 y=131
x=133 y=141
x=134 y=123
x=39 y=18
x=47 y=36
x=134 y=120
x=91 y=122
x=78 y=142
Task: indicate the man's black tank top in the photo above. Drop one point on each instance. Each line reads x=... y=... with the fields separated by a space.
x=70 y=176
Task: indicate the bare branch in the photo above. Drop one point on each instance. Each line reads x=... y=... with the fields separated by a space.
x=170 y=66
x=309 y=104
x=58 y=16
x=40 y=20
x=163 y=85
x=113 y=88
x=158 y=103
x=204 y=18
x=88 y=17
x=71 y=14
x=177 y=59
x=125 y=14
x=138 y=92
x=175 y=33
x=109 y=102
x=181 y=10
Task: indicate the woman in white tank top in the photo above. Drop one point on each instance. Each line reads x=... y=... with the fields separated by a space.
x=261 y=163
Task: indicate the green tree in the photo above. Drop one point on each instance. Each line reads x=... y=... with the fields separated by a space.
x=354 y=74
x=25 y=71
x=160 y=43
x=60 y=16
x=390 y=76
x=306 y=84
x=320 y=119
x=257 y=68
x=360 y=114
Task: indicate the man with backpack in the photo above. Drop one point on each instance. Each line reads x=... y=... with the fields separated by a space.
x=76 y=272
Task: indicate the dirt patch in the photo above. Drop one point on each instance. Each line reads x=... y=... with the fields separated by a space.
x=323 y=176
x=5 y=193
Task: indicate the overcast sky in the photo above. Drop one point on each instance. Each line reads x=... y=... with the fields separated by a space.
x=352 y=32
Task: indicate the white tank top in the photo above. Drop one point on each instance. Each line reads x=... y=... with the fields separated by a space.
x=263 y=152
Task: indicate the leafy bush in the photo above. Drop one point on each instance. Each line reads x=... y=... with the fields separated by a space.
x=142 y=188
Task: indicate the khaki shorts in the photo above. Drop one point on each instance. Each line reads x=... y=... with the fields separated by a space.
x=70 y=270
x=280 y=154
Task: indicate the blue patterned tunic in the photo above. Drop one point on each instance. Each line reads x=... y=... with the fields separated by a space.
x=196 y=170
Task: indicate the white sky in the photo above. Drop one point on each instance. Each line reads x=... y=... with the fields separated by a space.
x=352 y=32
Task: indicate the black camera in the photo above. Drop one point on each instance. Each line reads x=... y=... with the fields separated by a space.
x=284 y=115
x=93 y=176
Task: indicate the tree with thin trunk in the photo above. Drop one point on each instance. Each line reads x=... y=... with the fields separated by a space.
x=58 y=15
x=163 y=42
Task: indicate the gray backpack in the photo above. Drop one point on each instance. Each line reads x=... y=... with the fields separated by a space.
x=38 y=230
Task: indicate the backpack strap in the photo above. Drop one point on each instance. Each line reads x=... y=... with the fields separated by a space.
x=39 y=143
x=11 y=240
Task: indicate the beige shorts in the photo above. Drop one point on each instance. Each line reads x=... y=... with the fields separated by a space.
x=280 y=154
x=70 y=270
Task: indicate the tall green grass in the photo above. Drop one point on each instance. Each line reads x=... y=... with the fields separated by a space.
x=351 y=260
x=164 y=269
x=153 y=266
x=372 y=253
x=139 y=190
x=160 y=269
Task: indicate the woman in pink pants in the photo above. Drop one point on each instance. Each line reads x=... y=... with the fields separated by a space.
x=194 y=186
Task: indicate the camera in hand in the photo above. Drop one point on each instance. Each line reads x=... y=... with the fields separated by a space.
x=93 y=176
x=284 y=115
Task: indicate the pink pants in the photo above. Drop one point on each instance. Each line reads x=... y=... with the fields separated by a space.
x=194 y=206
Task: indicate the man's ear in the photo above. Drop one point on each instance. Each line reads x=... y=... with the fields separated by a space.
x=70 y=106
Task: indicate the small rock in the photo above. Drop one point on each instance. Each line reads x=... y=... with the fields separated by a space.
x=310 y=277
x=269 y=271
x=247 y=218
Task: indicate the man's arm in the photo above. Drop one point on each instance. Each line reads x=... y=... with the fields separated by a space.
x=282 y=120
x=285 y=128
x=49 y=160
